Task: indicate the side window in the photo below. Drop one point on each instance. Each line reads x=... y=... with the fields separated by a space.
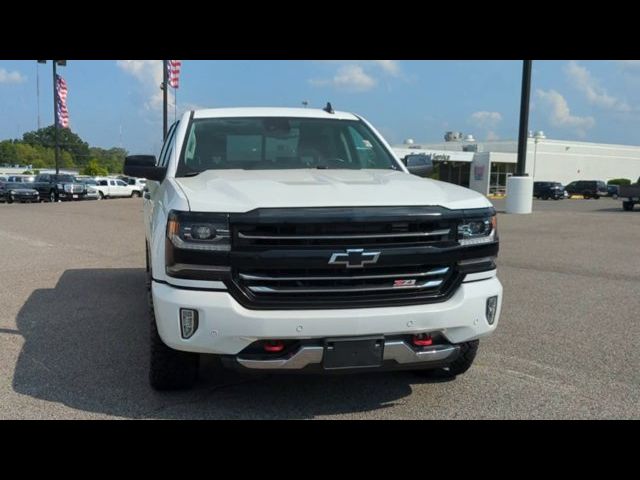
x=103 y=183
x=112 y=183
x=121 y=183
x=44 y=178
x=167 y=148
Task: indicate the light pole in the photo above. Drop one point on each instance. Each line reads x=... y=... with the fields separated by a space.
x=536 y=139
x=520 y=185
x=56 y=120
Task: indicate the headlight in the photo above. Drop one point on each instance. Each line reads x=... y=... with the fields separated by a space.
x=12 y=192
x=478 y=230
x=199 y=231
x=60 y=186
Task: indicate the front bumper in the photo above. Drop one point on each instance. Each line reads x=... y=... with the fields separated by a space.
x=226 y=327
x=24 y=197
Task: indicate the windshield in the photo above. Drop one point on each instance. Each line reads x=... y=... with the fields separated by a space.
x=62 y=178
x=14 y=185
x=281 y=143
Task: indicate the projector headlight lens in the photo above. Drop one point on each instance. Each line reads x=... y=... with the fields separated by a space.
x=199 y=231
x=478 y=230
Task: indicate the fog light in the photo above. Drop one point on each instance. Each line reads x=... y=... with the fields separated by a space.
x=492 y=307
x=188 y=322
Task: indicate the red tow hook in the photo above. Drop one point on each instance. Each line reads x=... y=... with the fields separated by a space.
x=273 y=346
x=422 y=340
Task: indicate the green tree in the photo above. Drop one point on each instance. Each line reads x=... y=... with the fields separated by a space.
x=94 y=169
x=68 y=141
x=619 y=181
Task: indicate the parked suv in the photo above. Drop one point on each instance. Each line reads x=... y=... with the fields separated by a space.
x=587 y=188
x=547 y=190
x=293 y=240
x=56 y=187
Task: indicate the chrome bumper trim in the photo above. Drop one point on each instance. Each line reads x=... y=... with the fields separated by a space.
x=397 y=350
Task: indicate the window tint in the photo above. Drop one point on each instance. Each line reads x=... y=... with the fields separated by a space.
x=281 y=143
x=121 y=183
x=112 y=183
x=103 y=183
x=167 y=148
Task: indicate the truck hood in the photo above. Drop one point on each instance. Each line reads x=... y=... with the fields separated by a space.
x=244 y=190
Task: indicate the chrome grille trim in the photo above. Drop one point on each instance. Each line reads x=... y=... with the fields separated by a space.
x=434 y=272
x=263 y=289
x=434 y=233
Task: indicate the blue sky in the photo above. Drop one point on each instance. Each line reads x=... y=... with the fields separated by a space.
x=118 y=103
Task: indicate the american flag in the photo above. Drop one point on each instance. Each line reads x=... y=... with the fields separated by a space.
x=173 y=73
x=63 y=113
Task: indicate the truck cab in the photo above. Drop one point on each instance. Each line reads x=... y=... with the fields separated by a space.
x=293 y=240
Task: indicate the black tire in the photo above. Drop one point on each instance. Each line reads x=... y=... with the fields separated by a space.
x=627 y=206
x=10 y=199
x=597 y=197
x=52 y=196
x=468 y=351
x=169 y=369
x=464 y=361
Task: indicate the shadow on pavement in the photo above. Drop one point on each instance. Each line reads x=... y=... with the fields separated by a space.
x=86 y=346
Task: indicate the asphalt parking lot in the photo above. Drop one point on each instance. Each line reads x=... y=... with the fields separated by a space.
x=74 y=328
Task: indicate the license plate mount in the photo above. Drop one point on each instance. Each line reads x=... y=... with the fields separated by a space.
x=356 y=352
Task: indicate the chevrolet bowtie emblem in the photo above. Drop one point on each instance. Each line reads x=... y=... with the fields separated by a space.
x=354 y=258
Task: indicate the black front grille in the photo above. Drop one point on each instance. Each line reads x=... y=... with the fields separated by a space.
x=343 y=257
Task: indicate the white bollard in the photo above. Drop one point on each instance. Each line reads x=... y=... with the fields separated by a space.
x=519 y=194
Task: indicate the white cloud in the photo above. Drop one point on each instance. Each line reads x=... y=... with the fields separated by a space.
x=391 y=67
x=358 y=75
x=149 y=75
x=581 y=78
x=484 y=119
x=491 y=135
x=349 y=78
x=11 y=77
x=560 y=113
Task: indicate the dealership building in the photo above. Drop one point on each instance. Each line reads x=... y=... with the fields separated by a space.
x=485 y=166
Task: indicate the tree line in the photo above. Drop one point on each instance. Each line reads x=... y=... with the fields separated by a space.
x=37 y=148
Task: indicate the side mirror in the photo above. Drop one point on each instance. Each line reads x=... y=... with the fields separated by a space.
x=144 y=166
x=420 y=165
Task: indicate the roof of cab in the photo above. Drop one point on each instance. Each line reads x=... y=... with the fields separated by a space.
x=272 y=112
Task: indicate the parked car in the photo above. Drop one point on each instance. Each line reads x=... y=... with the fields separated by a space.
x=11 y=192
x=59 y=187
x=91 y=186
x=309 y=255
x=113 y=187
x=630 y=195
x=613 y=191
x=547 y=190
x=587 y=188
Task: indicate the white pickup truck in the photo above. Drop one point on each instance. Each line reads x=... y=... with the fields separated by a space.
x=113 y=187
x=293 y=240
